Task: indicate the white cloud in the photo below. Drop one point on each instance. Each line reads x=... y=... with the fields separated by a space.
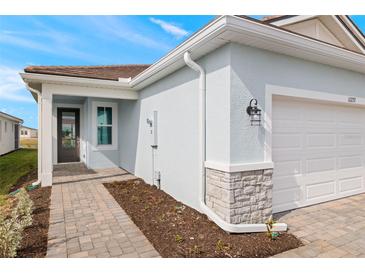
x=11 y=86
x=170 y=28
x=46 y=40
x=112 y=27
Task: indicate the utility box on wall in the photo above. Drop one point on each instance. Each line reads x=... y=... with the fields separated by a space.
x=154 y=142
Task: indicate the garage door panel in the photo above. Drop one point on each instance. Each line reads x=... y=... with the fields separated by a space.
x=350 y=139
x=285 y=168
x=286 y=198
x=320 y=140
x=350 y=172
x=287 y=140
x=322 y=159
x=320 y=164
x=351 y=184
x=354 y=161
x=320 y=190
x=287 y=182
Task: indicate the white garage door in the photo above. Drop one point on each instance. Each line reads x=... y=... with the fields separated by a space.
x=318 y=152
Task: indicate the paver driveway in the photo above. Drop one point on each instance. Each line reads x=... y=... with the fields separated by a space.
x=86 y=221
x=333 y=229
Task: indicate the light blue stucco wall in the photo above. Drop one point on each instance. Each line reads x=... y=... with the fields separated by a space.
x=99 y=158
x=176 y=99
x=253 y=69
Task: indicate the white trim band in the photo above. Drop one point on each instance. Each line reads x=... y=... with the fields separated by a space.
x=238 y=167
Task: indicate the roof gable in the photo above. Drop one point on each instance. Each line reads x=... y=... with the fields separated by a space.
x=338 y=30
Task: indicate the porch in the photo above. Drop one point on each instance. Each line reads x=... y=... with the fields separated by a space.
x=76 y=127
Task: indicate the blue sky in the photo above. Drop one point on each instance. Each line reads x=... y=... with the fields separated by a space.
x=84 y=40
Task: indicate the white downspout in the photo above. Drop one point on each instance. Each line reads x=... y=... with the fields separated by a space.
x=232 y=228
x=39 y=101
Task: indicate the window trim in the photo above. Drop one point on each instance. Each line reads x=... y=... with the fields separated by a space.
x=114 y=126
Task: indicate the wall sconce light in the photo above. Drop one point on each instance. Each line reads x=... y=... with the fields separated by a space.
x=254 y=112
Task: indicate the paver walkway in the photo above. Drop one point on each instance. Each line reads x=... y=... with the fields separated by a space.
x=86 y=221
x=333 y=229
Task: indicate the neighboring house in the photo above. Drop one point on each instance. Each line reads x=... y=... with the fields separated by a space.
x=9 y=132
x=186 y=126
x=28 y=132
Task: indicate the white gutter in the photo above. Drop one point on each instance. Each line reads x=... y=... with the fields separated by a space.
x=232 y=228
x=39 y=101
x=122 y=83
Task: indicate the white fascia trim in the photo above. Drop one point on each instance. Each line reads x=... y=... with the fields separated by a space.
x=299 y=42
x=353 y=28
x=67 y=80
x=238 y=167
x=349 y=36
x=269 y=33
x=206 y=34
x=240 y=228
x=292 y=20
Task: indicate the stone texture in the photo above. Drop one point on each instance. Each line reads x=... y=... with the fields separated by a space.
x=86 y=221
x=328 y=230
x=240 y=197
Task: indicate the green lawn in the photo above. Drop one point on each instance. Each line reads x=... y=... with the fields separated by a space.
x=15 y=165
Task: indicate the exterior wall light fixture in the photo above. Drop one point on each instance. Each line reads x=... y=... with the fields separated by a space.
x=254 y=112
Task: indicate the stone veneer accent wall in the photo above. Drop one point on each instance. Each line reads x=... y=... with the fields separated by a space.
x=240 y=197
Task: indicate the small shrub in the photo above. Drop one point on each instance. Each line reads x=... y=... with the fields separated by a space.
x=179 y=239
x=269 y=226
x=221 y=247
x=12 y=227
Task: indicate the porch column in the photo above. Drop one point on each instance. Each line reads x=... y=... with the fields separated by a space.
x=46 y=138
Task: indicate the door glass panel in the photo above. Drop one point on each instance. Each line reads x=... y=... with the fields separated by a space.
x=68 y=130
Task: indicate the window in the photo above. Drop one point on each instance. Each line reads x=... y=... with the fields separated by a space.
x=105 y=125
x=6 y=126
x=1 y=129
x=21 y=132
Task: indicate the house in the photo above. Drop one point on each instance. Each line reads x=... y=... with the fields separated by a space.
x=28 y=132
x=244 y=119
x=9 y=132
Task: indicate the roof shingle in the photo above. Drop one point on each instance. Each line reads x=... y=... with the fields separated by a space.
x=112 y=72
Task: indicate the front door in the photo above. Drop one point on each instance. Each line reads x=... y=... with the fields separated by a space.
x=68 y=135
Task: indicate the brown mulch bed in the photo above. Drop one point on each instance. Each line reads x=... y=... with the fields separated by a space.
x=176 y=230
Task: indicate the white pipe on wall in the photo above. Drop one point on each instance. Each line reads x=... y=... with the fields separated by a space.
x=232 y=228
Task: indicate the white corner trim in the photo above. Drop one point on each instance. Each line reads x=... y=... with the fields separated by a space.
x=238 y=167
x=240 y=228
x=114 y=145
